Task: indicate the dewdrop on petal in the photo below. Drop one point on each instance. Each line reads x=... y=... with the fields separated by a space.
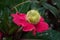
x=33 y=16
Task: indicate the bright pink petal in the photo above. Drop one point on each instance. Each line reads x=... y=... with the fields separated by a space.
x=36 y=26
x=19 y=16
x=42 y=26
x=27 y=26
x=20 y=20
x=41 y=19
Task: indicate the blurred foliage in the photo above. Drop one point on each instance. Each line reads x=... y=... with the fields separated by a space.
x=49 y=9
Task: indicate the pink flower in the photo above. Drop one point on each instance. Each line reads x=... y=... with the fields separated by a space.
x=0 y=35
x=20 y=20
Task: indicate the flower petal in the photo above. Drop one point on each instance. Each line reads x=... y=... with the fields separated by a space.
x=41 y=19
x=20 y=20
x=19 y=16
x=28 y=26
x=42 y=26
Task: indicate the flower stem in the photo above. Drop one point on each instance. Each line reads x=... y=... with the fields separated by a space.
x=21 y=4
x=19 y=29
x=16 y=9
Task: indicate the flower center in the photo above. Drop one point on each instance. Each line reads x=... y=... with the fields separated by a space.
x=33 y=16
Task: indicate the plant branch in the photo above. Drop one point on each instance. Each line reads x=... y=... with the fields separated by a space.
x=24 y=2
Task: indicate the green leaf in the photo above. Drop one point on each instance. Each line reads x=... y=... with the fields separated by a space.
x=43 y=1
x=12 y=30
x=42 y=11
x=4 y=20
x=54 y=35
x=24 y=7
x=49 y=35
x=57 y=3
x=9 y=3
x=34 y=5
x=51 y=9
